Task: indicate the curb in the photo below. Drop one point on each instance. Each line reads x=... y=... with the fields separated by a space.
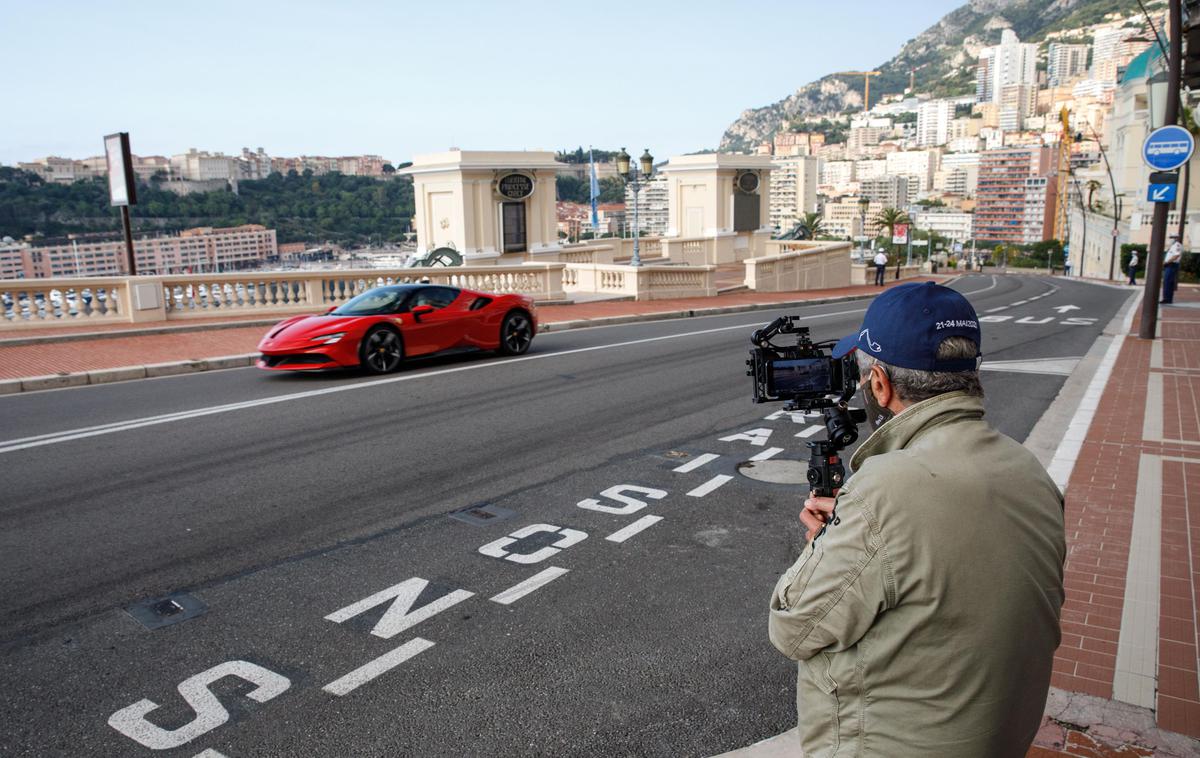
x=176 y=368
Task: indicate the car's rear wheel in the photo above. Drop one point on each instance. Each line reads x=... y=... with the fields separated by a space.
x=516 y=333
x=381 y=351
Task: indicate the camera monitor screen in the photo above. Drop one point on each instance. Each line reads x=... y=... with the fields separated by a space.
x=801 y=376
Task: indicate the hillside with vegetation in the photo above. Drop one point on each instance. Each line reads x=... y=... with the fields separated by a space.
x=301 y=207
x=941 y=61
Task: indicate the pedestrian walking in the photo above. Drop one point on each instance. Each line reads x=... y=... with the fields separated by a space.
x=1132 y=268
x=881 y=261
x=1171 y=261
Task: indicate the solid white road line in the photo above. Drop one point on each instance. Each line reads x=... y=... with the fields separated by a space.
x=767 y=454
x=376 y=668
x=23 y=443
x=710 y=485
x=696 y=463
x=538 y=580
x=625 y=533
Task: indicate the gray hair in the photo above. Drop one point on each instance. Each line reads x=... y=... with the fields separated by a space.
x=914 y=385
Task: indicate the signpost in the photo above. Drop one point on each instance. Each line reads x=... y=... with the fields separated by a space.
x=122 y=191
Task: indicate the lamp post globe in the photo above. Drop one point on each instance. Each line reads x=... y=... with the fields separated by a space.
x=623 y=163
x=647 y=162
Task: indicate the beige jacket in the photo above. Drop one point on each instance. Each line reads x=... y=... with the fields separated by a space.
x=925 y=621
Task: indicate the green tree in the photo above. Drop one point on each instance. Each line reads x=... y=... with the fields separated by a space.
x=889 y=218
x=815 y=224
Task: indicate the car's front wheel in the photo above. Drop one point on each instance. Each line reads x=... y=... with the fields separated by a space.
x=516 y=333
x=381 y=351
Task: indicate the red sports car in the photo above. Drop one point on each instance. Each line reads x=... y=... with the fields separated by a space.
x=381 y=327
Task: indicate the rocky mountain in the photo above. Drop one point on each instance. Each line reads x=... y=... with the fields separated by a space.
x=941 y=59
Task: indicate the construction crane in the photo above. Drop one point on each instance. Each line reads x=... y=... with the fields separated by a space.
x=866 y=75
x=912 y=76
x=1064 y=173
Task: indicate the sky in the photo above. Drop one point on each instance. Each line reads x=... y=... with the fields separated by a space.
x=403 y=78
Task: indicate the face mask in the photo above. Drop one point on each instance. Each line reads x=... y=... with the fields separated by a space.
x=877 y=415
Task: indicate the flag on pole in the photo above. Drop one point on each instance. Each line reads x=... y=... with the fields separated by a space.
x=595 y=193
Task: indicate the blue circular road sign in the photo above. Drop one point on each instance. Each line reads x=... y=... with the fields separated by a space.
x=1167 y=148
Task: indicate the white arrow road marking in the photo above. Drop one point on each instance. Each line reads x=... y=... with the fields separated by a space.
x=1053 y=366
x=538 y=580
x=376 y=668
x=1066 y=308
x=626 y=532
x=696 y=463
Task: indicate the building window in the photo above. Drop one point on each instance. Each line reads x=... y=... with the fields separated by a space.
x=512 y=224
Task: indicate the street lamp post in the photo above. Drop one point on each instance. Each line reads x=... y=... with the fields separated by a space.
x=863 y=204
x=634 y=177
x=1112 y=258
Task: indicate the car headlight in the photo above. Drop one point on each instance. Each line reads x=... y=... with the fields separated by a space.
x=329 y=339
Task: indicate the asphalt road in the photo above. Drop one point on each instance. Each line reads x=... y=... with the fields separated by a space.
x=280 y=502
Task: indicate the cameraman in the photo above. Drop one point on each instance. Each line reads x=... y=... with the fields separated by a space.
x=924 y=611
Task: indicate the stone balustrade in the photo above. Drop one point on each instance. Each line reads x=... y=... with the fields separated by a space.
x=864 y=273
x=796 y=265
x=41 y=303
x=641 y=282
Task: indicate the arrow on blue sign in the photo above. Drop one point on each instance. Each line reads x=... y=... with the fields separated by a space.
x=1161 y=193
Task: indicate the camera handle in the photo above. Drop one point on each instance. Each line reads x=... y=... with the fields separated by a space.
x=826 y=472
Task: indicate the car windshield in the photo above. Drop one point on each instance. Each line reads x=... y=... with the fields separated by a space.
x=374 y=302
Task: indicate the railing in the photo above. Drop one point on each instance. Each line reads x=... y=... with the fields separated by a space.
x=642 y=282
x=66 y=302
x=799 y=265
x=863 y=273
x=691 y=251
x=50 y=302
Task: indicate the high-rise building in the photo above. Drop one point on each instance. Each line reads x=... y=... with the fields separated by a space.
x=797 y=143
x=793 y=183
x=652 y=213
x=918 y=165
x=1104 y=53
x=1016 y=195
x=1065 y=62
x=887 y=191
x=1010 y=62
x=837 y=173
x=933 y=122
x=845 y=218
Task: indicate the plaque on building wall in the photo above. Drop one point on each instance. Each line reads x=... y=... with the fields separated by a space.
x=514 y=186
x=747 y=182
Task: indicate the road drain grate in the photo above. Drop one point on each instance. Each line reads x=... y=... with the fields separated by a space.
x=480 y=515
x=158 y=612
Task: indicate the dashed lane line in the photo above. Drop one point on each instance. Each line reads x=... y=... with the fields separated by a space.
x=696 y=463
x=810 y=431
x=712 y=484
x=624 y=533
x=344 y=685
x=535 y=582
x=767 y=454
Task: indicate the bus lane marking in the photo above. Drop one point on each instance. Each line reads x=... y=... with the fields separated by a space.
x=696 y=463
x=710 y=485
x=535 y=582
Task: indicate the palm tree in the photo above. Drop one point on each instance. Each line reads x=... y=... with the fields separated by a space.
x=889 y=218
x=814 y=223
x=1092 y=187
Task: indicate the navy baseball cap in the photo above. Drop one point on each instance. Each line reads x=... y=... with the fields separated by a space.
x=905 y=325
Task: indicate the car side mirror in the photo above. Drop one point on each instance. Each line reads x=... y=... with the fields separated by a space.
x=421 y=310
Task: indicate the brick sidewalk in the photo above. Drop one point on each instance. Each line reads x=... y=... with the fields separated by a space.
x=113 y=351
x=1126 y=673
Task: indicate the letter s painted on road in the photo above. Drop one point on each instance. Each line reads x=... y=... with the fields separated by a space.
x=210 y=714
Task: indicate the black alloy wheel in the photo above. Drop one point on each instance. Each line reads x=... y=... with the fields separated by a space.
x=381 y=351
x=516 y=333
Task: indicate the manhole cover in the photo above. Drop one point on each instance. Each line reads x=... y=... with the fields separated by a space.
x=158 y=612
x=776 y=472
x=478 y=515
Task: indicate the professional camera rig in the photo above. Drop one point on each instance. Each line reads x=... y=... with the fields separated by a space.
x=808 y=378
